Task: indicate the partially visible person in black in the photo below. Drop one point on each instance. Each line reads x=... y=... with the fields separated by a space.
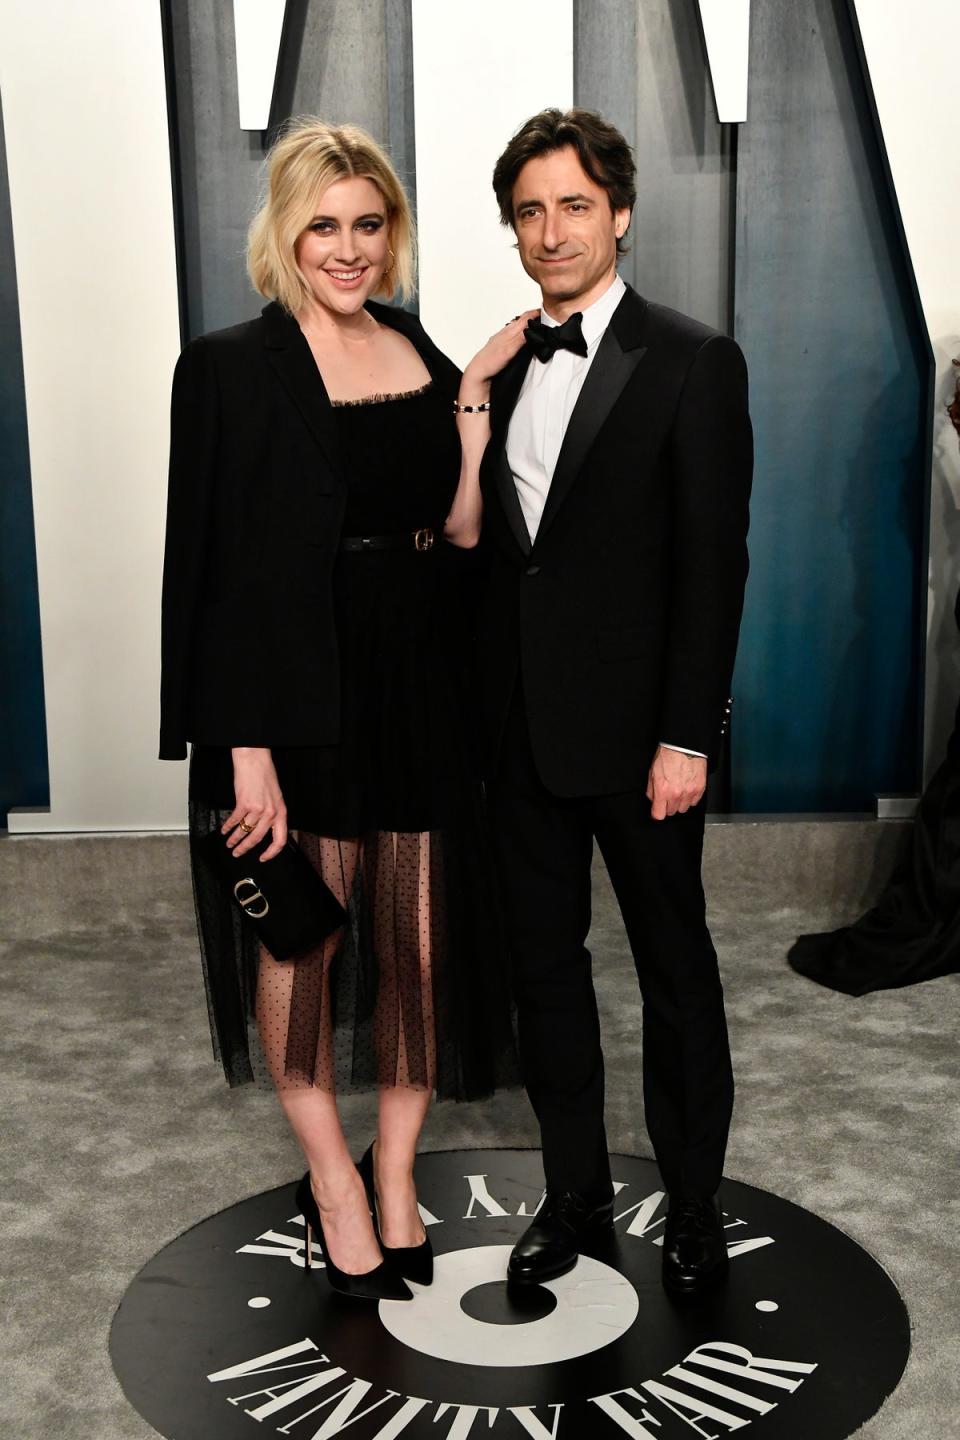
x=913 y=931
x=615 y=492
x=313 y=642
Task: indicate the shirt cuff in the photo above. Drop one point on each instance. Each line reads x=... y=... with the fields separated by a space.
x=664 y=745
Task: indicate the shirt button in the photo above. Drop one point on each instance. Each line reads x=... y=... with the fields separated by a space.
x=533 y=570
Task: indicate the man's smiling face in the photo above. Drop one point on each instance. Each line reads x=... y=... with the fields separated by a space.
x=566 y=231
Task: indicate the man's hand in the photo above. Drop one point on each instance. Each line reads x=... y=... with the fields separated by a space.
x=676 y=781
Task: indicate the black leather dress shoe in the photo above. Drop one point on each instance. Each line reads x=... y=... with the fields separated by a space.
x=694 y=1250
x=550 y=1246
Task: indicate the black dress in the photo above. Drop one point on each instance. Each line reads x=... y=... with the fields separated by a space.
x=414 y=991
x=913 y=932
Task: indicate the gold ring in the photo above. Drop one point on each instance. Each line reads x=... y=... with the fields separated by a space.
x=247 y=829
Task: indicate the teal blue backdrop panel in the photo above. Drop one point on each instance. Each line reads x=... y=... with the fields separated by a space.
x=826 y=707
x=23 y=731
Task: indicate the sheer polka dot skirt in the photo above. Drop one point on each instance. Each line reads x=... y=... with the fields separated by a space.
x=386 y=880
x=412 y=991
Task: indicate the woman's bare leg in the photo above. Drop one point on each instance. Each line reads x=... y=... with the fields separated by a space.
x=403 y=1107
x=334 y=1179
x=402 y=1113
x=311 y=1108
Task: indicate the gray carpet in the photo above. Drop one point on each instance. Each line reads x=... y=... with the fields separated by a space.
x=120 y=1133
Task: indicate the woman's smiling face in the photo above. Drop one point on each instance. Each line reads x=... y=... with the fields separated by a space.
x=345 y=248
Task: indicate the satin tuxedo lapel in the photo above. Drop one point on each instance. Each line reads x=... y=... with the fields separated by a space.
x=619 y=353
x=505 y=391
x=292 y=359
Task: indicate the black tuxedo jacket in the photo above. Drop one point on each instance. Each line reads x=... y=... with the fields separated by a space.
x=622 y=618
x=255 y=508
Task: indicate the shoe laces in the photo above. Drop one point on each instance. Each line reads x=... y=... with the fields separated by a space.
x=692 y=1215
x=567 y=1203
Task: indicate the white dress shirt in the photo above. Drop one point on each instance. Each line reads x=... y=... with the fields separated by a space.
x=542 y=413
x=545 y=404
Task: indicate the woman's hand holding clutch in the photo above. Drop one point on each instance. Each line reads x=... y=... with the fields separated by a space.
x=259 y=806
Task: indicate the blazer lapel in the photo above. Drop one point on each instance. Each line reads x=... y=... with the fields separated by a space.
x=292 y=359
x=442 y=370
x=504 y=394
x=618 y=355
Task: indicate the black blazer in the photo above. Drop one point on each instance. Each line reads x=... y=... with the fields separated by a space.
x=255 y=507
x=622 y=618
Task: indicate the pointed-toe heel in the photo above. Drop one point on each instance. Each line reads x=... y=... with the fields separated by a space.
x=382 y=1283
x=413 y=1262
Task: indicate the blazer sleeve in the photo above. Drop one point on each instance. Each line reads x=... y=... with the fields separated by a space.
x=194 y=425
x=712 y=473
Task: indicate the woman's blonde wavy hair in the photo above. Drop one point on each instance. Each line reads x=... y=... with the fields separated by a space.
x=308 y=157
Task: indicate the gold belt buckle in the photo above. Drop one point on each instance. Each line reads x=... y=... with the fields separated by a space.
x=423 y=539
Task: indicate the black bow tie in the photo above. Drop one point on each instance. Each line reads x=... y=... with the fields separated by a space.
x=546 y=340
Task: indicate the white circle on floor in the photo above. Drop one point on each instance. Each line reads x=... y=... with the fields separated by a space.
x=259 y=1302
x=595 y=1306
x=769 y=1306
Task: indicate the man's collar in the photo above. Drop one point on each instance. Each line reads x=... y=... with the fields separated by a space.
x=596 y=317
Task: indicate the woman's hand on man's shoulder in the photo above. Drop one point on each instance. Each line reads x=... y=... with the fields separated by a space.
x=495 y=356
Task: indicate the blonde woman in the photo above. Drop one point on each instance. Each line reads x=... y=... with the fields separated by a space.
x=323 y=503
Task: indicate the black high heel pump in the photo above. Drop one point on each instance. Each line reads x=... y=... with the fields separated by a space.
x=414 y=1262
x=381 y=1283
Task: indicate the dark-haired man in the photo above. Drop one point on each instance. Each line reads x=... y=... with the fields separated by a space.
x=615 y=491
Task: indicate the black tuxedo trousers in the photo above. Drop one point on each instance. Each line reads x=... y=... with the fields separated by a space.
x=545 y=846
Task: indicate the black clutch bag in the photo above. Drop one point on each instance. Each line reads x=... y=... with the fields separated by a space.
x=284 y=900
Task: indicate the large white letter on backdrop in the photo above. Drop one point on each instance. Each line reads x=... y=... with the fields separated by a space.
x=726 y=35
x=479 y=73
x=85 y=118
x=258 y=27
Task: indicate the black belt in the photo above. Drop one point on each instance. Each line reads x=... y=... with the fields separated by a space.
x=409 y=540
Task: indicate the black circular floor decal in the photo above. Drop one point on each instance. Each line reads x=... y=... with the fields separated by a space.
x=224 y=1335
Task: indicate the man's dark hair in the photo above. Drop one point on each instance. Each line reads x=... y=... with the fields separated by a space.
x=603 y=152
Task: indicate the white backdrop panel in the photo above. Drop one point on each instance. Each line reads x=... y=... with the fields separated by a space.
x=478 y=74
x=912 y=55
x=86 y=133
